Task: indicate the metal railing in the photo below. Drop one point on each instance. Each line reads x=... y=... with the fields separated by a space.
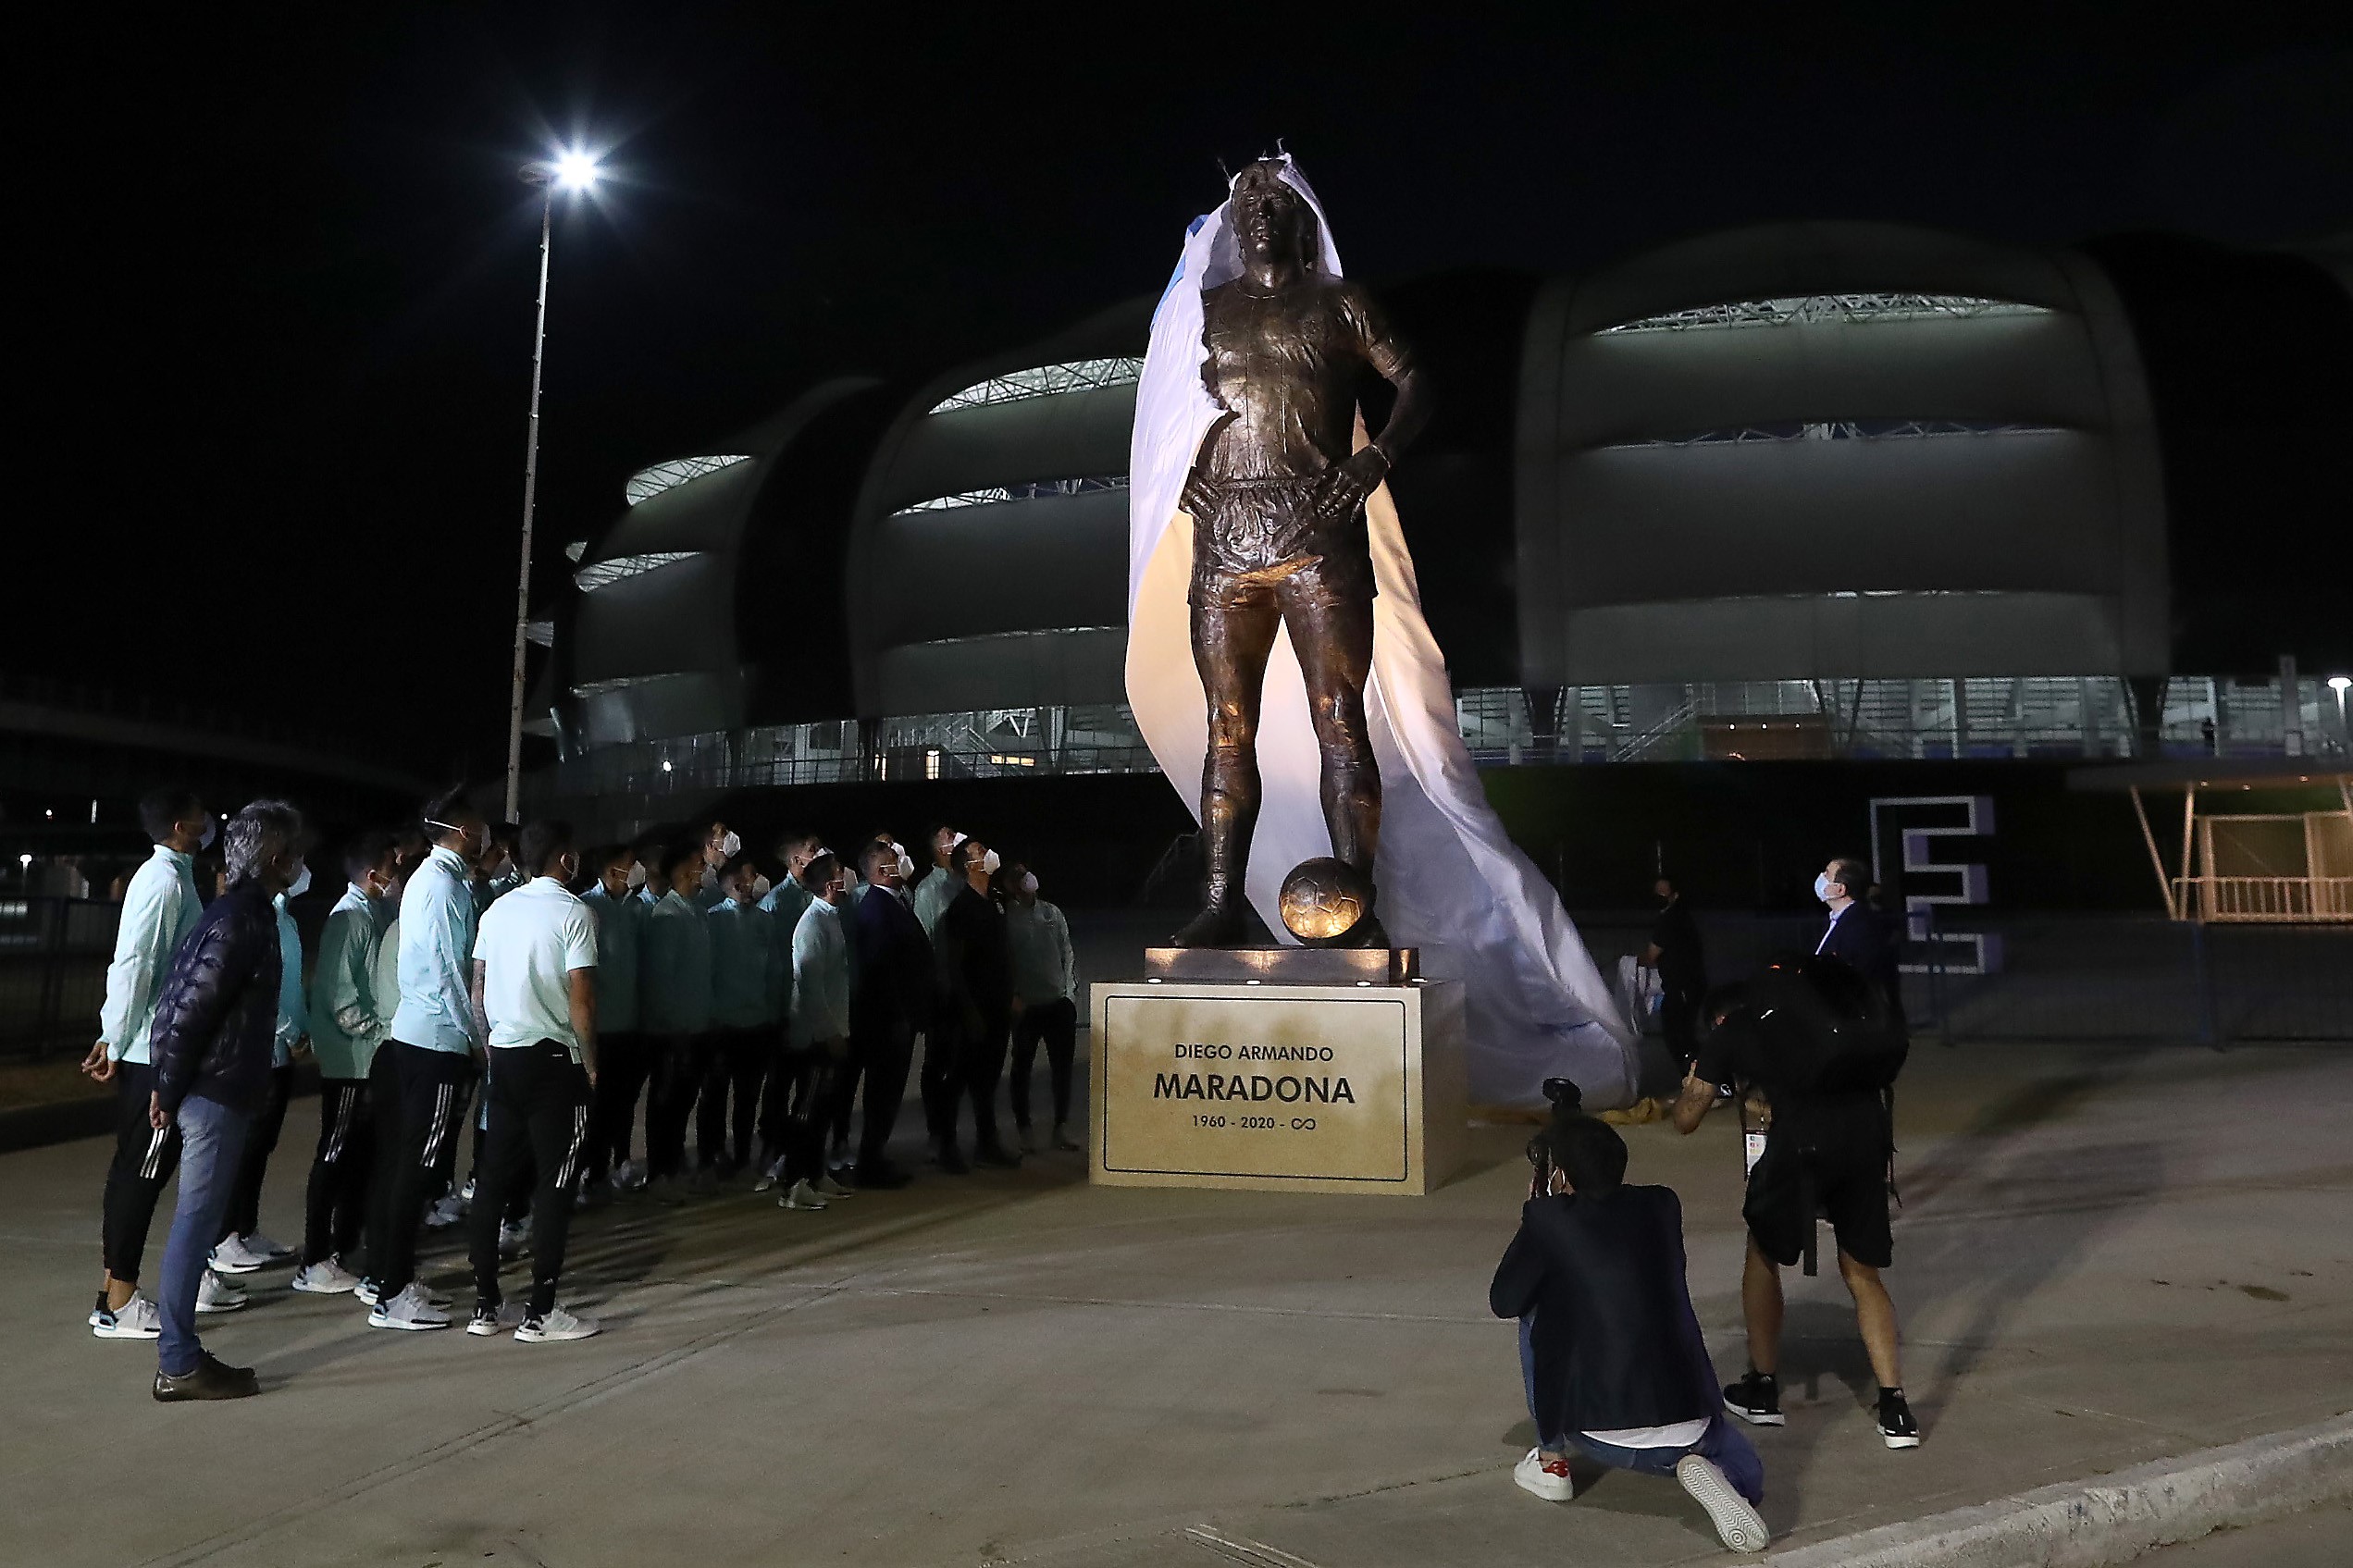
x=2082 y=979
x=2279 y=900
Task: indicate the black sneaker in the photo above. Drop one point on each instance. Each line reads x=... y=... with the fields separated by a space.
x=1756 y=1399
x=878 y=1175
x=485 y=1322
x=1896 y=1426
x=213 y=1379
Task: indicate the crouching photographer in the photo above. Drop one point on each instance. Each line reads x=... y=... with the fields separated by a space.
x=1820 y=1043
x=1609 y=1348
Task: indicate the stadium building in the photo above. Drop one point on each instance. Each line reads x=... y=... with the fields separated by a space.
x=1845 y=492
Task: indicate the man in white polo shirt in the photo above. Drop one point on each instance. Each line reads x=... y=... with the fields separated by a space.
x=534 y=981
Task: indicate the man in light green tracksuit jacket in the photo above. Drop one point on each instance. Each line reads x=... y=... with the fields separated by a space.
x=350 y=1018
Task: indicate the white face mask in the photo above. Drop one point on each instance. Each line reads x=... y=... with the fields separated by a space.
x=1822 y=887
x=906 y=862
x=989 y=862
x=212 y=832
x=761 y=886
x=730 y=846
x=1029 y=884
x=302 y=882
x=637 y=875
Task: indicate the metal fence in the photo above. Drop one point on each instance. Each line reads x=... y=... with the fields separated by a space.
x=2047 y=717
x=53 y=972
x=2072 y=978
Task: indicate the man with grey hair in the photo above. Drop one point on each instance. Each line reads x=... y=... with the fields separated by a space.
x=215 y=1027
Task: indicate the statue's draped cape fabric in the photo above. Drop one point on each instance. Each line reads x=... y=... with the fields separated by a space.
x=1451 y=881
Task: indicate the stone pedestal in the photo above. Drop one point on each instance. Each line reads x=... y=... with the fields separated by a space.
x=1277 y=1068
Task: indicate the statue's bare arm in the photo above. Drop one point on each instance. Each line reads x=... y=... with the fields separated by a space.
x=1347 y=484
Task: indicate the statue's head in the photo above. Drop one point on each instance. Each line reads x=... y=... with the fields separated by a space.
x=1271 y=219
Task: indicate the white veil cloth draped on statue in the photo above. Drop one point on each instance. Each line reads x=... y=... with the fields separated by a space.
x=1451 y=882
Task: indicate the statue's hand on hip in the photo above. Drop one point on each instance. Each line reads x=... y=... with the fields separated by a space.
x=1345 y=485
x=1197 y=498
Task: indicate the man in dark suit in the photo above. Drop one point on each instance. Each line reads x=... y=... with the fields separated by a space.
x=1610 y=1349
x=1858 y=934
x=891 y=1000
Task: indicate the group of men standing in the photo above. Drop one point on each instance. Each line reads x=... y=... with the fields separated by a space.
x=461 y=955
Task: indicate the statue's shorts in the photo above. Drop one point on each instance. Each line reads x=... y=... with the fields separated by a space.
x=1263 y=543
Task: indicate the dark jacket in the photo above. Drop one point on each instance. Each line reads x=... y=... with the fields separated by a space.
x=1682 y=963
x=894 y=968
x=1617 y=1342
x=976 y=957
x=217 y=1016
x=1874 y=945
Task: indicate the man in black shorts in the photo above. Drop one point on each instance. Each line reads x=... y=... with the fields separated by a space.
x=1791 y=1033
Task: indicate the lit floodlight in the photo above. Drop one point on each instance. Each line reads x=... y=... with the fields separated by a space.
x=576 y=171
x=568 y=171
x=2338 y=683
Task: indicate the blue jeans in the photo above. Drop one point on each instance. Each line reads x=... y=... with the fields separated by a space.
x=1721 y=1444
x=212 y=1139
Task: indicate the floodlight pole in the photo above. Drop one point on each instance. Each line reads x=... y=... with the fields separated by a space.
x=537 y=174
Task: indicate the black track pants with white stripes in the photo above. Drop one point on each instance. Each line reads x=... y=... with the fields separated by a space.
x=336 y=1206
x=144 y=1159
x=539 y=1118
x=424 y=1124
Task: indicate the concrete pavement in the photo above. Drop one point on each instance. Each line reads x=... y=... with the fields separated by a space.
x=2104 y=1258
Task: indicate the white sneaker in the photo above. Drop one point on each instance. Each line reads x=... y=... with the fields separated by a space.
x=554 y=1326
x=232 y=1256
x=1550 y=1482
x=446 y=1211
x=216 y=1294
x=829 y=1186
x=802 y=1196
x=412 y=1309
x=628 y=1177
x=485 y=1322
x=1736 y=1525
x=326 y=1277
x=440 y=1300
x=770 y=1174
x=137 y=1320
x=465 y=1194
x=264 y=1249
x=514 y=1239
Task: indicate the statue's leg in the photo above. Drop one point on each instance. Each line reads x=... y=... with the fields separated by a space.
x=1333 y=641
x=1230 y=642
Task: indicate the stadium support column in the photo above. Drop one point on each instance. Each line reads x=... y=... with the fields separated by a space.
x=2146 y=694
x=1544 y=722
x=2291 y=708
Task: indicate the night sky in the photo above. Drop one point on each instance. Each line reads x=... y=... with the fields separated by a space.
x=273 y=341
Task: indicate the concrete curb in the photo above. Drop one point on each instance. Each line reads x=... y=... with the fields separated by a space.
x=2077 y=1526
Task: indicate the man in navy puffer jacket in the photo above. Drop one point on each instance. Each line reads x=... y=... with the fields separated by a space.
x=216 y=1025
